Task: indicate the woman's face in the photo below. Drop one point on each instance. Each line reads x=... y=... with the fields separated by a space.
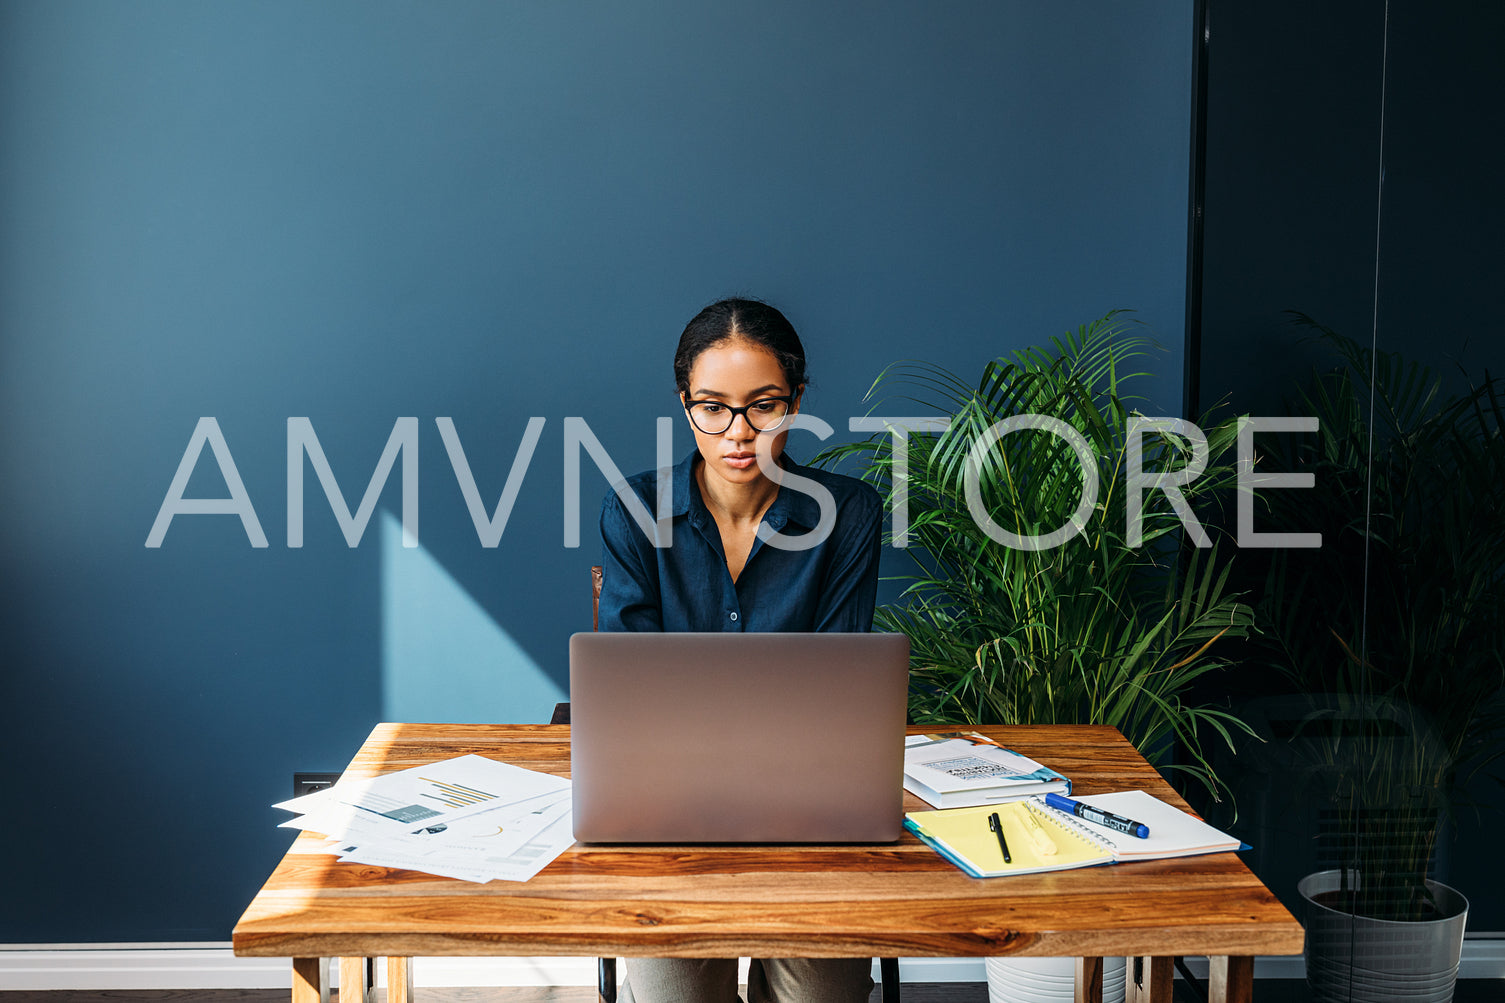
x=735 y=373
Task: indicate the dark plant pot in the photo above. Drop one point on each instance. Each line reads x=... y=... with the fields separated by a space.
x=1354 y=958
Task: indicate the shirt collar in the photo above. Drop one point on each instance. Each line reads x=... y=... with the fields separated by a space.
x=788 y=506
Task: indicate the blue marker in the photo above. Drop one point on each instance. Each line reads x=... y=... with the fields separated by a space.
x=1091 y=814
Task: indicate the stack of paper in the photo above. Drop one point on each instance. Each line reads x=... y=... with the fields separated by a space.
x=470 y=818
x=958 y=769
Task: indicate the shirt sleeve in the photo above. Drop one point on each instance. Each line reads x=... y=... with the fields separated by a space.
x=850 y=589
x=630 y=594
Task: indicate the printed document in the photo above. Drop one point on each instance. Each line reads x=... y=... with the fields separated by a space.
x=470 y=817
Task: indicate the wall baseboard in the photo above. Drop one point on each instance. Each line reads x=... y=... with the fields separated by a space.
x=213 y=966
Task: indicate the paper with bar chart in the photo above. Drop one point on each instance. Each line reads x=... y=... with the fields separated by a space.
x=468 y=817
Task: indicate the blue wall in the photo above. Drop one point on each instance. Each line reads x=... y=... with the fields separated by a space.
x=356 y=212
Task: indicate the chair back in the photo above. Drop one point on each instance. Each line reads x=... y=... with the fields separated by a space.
x=562 y=710
x=596 y=597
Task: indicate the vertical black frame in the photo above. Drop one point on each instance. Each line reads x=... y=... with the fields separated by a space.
x=1191 y=381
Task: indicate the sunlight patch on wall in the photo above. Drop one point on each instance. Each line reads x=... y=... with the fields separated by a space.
x=443 y=657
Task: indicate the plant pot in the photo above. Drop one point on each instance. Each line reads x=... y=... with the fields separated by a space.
x=1355 y=958
x=1047 y=980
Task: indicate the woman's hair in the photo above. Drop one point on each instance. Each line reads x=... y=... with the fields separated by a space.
x=753 y=320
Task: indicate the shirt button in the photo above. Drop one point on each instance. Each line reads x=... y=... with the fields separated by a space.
x=734 y=616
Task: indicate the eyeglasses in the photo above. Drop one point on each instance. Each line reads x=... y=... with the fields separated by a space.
x=764 y=414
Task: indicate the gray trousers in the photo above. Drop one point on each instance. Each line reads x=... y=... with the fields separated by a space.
x=769 y=980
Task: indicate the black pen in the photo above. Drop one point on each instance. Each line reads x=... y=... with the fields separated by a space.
x=1003 y=844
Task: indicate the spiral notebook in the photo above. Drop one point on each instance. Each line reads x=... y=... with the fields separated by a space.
x=963 y=836
x=1173 y=832
x=1039 y=840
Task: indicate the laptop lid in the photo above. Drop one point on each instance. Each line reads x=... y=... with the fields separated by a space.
x=738 y=738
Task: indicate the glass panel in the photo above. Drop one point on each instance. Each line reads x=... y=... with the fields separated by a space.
x=1377 y=681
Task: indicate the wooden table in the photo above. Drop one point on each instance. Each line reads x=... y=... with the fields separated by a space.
x=877 y=900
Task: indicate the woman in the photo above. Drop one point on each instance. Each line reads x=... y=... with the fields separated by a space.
x=740 y=372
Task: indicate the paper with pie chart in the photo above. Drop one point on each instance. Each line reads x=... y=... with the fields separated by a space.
x=502 y=831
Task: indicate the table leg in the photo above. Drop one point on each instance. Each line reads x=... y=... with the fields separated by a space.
x=1150 y=980
x=357 y=979
x=1089 y=980
x=606 y=979
x=888 y=972
x=399 y=980
x=1230 y=980
x=310 y=980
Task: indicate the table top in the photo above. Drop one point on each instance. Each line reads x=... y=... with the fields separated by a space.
x=886 y=900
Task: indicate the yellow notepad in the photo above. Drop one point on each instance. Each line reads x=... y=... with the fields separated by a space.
x=963 y=836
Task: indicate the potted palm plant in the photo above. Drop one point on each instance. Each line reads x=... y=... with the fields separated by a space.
x=1394 y=630
x=1032 y=597
x=1107 y=626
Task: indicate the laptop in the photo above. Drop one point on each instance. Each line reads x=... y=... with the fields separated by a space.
x=738 y=738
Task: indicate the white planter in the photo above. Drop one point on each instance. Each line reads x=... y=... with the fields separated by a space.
x=1047 y=980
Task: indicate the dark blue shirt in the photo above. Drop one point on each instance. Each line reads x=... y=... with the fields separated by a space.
x=831 y=586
